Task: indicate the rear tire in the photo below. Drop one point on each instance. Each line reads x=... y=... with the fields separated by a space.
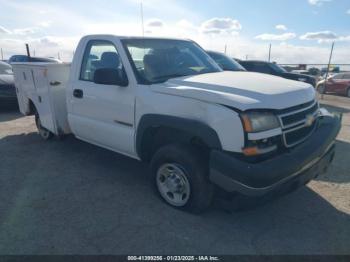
x=180 y=177
x=43 y=132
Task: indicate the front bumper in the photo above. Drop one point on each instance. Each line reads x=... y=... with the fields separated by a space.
x=295 y=167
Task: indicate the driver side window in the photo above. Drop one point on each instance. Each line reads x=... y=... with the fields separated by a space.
x=99 y=54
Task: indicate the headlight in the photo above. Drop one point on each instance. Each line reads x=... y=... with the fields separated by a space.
x=259 y=121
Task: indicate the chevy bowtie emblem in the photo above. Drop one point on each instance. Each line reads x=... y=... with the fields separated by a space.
x=309 y=120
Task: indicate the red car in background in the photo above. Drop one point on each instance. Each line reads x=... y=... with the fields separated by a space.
x=338 y=83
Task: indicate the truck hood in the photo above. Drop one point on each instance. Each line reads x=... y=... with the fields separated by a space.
x=241 y=90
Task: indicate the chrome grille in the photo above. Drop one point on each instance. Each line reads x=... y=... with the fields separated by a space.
x=298 y=122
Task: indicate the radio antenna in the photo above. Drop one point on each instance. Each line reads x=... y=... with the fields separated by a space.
x=27 y=48
x=143 y=29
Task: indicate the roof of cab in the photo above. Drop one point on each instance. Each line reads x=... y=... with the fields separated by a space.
x=95 y=36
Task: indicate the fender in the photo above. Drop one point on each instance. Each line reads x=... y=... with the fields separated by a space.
x=193 y=127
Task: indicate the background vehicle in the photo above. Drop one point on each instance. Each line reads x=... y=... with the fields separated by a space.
x=313 y=71
x=24 y=58
x=337 y=83
x=333 y=69
x=166 y=102
x=8 y=95
x=225 y=62
x=274 y=69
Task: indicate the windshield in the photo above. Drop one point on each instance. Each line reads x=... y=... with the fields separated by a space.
x=157 y=60
x=5 y=69
x=225 y=62
x=278 y=68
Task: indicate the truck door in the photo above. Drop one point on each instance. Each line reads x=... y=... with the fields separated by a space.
x=102 y=114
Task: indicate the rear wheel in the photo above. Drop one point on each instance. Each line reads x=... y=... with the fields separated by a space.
x=180 y=176
x=43 y=132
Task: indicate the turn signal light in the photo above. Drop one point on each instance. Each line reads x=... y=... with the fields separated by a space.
x=247 y=124
x=250 y=151
x=254 y=150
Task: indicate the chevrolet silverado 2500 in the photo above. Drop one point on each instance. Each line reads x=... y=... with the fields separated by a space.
x=166 y=102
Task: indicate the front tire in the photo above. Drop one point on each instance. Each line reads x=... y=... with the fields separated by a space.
x=43 y=132
x=180 y=177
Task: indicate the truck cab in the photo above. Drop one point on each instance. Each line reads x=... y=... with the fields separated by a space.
x=166 y=102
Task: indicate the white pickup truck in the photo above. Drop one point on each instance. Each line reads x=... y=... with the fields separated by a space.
x=166 y=102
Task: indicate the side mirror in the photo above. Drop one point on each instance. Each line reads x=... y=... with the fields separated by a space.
x=110 y=76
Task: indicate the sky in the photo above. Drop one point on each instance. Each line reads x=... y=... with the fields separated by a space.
x=300 y=31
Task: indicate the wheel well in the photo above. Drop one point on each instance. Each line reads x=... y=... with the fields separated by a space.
x=157 y=137
x=32 y=108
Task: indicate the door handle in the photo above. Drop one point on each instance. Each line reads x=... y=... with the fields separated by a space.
x=78 y=93
x=55 y=83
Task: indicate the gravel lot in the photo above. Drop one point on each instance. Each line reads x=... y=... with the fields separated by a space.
x=69 y=197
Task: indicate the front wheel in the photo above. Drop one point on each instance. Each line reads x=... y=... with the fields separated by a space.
x=180 y=176
x=43 y=132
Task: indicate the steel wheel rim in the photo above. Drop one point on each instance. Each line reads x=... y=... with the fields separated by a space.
x=173 y=184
